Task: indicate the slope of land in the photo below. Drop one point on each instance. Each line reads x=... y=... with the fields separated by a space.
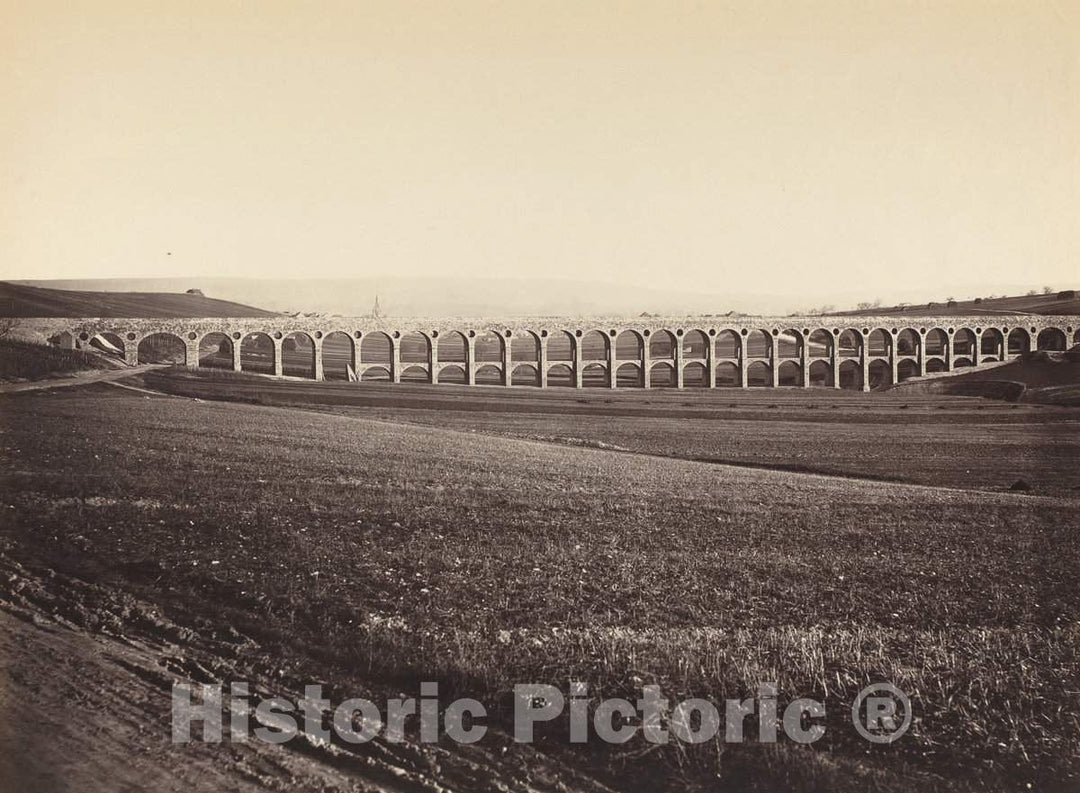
x=920 y=438
x=372 y=555
x=120 y=656
x=1037 y=377
x=19 y=300
x=22 y=360
x=1056 y=304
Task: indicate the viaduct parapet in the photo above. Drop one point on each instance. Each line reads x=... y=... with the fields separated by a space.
x=833 y=351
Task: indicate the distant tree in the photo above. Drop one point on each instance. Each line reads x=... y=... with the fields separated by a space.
x=196 y=292
x=1048 y=290
x=1031 y=293
x=950 y=303
x=1068 y=294
x=950 y=300
x=978 y=300
x=865 y=306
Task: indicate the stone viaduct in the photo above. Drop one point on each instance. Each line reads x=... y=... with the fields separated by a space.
x=838 y=351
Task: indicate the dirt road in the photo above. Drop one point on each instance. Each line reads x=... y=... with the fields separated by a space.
x=81 y=378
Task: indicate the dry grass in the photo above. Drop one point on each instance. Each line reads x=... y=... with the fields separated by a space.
x=936 y=440
x=20 y=360
x=400 y=553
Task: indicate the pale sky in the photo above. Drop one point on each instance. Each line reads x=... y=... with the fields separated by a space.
x=785 y=148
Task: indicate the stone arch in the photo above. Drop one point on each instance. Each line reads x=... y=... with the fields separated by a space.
x=1018 y=342
x=488 y=375
x=525 y=375
x=453 y=348
x=414 y=374
x=849 y=344
x=906 y=369
x=1076 y=337
x=376 y=374
x=376 y=347
x=758 y=344
x=937 y=342
x=594 y=346
x=789 y=373
x=414 y=347
x=628 y=346
x=819 y=344
x=560 y=375
x=109 y=343
x=880 y=374
x=595 y=375
x=298 y=355
x=662 y=374
x=338 y=354
x=992 y=344
x=560 y=347
x=695 y=375
x=525 y=346
x=162 y=348
x=821 y=374
x=488 y=347
x=964 y=343
x=1052 y=339
x=453 y=375
x=728 y=345
x=629 y=376
x=789 y=344
x=695 y=345
x=962 y=362
x=758 y=375
x=935 y=365
x=879 y=342
x=661 y=345
x=215 y=351
x=908 y=342
x=851 y=375
x=257 y=353
x=727 y=375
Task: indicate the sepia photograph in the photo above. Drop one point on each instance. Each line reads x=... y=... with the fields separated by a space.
x=540 y=396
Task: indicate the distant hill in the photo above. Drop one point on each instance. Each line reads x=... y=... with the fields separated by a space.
x=445 y=296
x=18 y=300
x=1056 y=304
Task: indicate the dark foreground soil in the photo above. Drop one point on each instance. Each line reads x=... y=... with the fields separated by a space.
x=151 y=539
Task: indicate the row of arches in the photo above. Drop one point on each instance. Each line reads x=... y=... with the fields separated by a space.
x=372 y=355
x=662 y=374
x=416 y=347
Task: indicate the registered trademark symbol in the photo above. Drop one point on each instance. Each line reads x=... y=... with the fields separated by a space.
x=881 y=713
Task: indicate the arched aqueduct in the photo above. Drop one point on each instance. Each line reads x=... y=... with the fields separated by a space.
x=838 y=352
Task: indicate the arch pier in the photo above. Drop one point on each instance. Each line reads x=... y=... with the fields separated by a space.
x=856 y=353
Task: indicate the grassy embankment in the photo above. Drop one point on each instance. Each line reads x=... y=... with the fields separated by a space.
x=1038 y=378
x=397 y=553
x=20 y=360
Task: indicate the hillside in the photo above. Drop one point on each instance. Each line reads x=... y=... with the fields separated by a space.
x=1056 y=304
x=1038 y=377
x=18 y=300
